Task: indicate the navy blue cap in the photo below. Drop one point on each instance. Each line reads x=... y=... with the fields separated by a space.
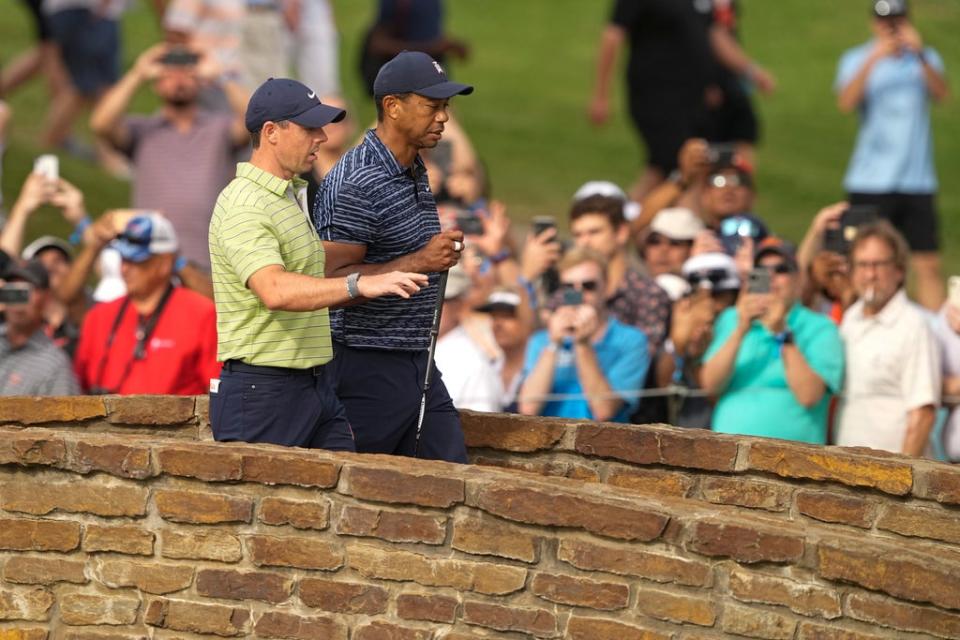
x=416 y=72
x=280 y=99
x=890 y=8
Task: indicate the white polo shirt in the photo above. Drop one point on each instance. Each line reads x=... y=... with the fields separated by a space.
x=893 y=366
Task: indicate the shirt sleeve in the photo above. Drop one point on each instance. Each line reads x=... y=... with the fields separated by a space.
x=629 y=371
x=824 y=354
x=249 y=243
x=62 y=382
x=933 y=57
x=921 y=377
x=722 y=328
x=850 y=63
x=135 y=125
x=351 y=218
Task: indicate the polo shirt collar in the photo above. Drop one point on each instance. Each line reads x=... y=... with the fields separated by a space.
x=268 y=181
x=386 y=157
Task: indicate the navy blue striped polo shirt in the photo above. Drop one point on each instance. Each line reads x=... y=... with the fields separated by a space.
x=369 y=198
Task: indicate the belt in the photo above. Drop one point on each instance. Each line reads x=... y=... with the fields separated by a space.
x=238 y=366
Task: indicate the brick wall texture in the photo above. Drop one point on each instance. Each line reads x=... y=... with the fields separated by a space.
x=121 y=519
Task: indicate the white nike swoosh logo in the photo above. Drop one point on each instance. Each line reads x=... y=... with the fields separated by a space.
x=311 y=95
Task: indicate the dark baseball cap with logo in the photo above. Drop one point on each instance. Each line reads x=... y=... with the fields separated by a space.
x=280 y=99
x=889 y=8
x=416 y=72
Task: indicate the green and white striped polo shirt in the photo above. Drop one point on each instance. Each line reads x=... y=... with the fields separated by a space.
x=257 y=223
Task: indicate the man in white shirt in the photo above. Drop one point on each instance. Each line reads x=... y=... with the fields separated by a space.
x=469 y=374
x=893 y=362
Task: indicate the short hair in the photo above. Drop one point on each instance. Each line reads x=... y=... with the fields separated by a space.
x=611 y=208
x=885 y=232
x=379 y=101
x=581 y=255
x=255 y=135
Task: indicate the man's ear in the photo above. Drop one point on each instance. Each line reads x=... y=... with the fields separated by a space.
x=269 y=132
x=391 y=107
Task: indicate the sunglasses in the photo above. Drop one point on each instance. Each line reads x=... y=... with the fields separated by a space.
x=586 y=285
x=780 y=268
x=739 y=226
x=656 y=240
x=713 y=276
x=721 y=181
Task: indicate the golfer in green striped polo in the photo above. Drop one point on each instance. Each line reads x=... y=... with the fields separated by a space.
x=269 y=287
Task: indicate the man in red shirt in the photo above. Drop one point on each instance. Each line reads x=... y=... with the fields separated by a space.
x=160 y=338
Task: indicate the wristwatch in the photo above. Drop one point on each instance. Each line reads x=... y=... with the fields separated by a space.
x=784 y=338
x=353 y=288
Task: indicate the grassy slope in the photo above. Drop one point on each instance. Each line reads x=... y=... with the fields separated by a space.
x=532 y=64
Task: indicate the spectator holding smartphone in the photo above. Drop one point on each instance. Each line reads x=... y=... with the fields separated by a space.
x=773 y=364
x=585 y=355
x=890 y=82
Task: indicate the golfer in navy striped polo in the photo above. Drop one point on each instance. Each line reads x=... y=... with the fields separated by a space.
x=375 y=213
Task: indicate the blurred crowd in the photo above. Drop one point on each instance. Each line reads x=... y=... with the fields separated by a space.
x=673 y=301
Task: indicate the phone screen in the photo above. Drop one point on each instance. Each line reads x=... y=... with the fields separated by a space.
x=758 y=281
x=542 y=223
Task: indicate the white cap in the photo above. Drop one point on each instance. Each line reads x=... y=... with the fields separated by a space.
x=714 y=271
x=677 y=223
x=458 y=283
x=675 y=286
x=607 y=189
x=111 y=285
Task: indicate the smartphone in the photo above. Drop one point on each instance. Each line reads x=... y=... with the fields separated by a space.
x=721 y=155
x=855 y=217
x=541 y=223
x=179 y=57
x=571 y=298
x=15 y=293
x=47 y=165
x=470 y=223
x=953 y=291
x=758 y=281
x=834 y=241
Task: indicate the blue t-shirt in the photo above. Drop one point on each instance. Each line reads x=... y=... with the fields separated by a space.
x=894 y=148
x=623 y=357
x=368 y=198
x=758 y=400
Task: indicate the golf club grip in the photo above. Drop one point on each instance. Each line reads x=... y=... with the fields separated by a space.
x=435 y=329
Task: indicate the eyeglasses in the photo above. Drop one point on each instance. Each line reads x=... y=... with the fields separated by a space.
x=656 y=240
x=586 y=285
x=739 y=226
x=713 y=276
x=780 y=268
x=872 y=264
x=721 y=181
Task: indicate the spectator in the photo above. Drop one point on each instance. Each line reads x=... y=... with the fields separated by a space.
x=729 y=191
x=159 y=338
x=512 y=321
x=947 y=329
x=893 y=379
x=61 y=321
x=407 y=25
x=585 y=354
x=597 y=223
x=316 y=45
x=827 y=287
x=667 y=74
x=265 y=42
x=773 y=364
x=667 y=244
x=889 y=81
x=468 y=373
x=30 y=363
x=212 y=26
x=185 y=192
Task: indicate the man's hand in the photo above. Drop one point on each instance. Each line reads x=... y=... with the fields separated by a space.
x=775 y=318
x=693 y=317
x=208 y=68
x=763 y=79
x=496 y=226
x=585 y=323
x=70 y=199
x=442 y=252
x=101 y=232
x=539 y=254
x=829 y=217
x=885 y=45
x=751 y=306
x=395 y=283
x=599 y=110
x=706 y=242
x=147 y=67
x=908 y=38
x=694 y=160
x=561 y=324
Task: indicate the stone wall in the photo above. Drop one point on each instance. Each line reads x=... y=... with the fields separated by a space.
x=120 y=519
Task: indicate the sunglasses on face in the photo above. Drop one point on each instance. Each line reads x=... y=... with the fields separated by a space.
x=721 y=181
x=656 y=240
x=739 y=226
x=713 y=276
x=780 y=268
x=586 y=285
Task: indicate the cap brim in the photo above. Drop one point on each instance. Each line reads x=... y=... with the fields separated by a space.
x=445 y=90
x=495 y=306
x=319 y=116
x=130 y=251
x=19 y=274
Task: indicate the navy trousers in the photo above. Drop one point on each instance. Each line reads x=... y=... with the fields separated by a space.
x=381 y=392
x=292 y=407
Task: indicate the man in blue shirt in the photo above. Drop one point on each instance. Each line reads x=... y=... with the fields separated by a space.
x=585 y=355
x=890 y=81
x=375 y=212
x=773 y=364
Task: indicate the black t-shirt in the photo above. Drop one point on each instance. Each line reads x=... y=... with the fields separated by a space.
x=670 y=59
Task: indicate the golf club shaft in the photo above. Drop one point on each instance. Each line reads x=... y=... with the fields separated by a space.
x=428 y=376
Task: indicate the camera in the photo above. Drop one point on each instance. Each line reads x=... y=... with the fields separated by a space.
x=470 y=223
x=758 y=281
x=721 y=155
x=839 y=240
x=179 y=57
x=15 y=293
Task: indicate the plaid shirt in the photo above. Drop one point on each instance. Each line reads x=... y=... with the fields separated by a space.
x=640 y=302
